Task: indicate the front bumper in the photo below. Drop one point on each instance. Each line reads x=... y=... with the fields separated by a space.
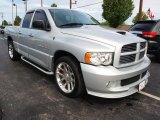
x=105 y=81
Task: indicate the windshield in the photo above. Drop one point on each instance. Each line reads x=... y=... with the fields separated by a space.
x=71 y=18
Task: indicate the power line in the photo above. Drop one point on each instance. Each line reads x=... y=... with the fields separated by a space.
x=88 y=5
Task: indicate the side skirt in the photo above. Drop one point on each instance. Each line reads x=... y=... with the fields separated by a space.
x=37 y=66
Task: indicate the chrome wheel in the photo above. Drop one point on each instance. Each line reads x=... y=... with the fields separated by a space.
x=10 y=50
x=65 y=77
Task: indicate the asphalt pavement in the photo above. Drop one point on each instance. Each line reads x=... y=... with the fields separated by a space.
x=28 y=94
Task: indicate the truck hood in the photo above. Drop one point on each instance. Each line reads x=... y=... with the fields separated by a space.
x=102 y=34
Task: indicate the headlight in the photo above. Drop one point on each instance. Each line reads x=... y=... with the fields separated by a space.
x=99 y=58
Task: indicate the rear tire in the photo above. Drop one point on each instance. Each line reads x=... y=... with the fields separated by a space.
x=68 y=77
x=13 y=54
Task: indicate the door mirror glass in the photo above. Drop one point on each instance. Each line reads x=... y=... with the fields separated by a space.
x=38 y=24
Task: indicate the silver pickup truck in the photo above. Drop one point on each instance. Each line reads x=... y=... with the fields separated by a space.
x=82 y=55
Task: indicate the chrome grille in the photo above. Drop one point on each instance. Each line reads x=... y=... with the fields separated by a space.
x=127 y=59
x=132 y=53
x=141 y=55
x=142 y=45
x=129 y=48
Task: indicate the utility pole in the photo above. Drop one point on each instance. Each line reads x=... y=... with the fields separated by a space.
x=41 y=3
x=26 y=5
x=2 y=17
x=70 y=3
x=140 y=10
x=12 y=13
x=25 y=2
x=16 y=8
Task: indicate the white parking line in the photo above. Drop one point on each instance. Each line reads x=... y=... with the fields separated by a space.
x=149 y=95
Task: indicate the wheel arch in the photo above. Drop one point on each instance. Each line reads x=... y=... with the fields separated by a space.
x=61 y=53
x=9 y=38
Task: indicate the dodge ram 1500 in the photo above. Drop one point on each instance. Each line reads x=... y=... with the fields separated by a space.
x=82 y=55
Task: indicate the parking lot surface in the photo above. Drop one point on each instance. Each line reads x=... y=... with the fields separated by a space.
x=28 y=94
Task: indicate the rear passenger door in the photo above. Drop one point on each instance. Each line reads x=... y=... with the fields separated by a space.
x=23 y=34
x=39 y=49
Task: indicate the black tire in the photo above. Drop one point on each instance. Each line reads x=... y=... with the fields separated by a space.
x=79 y=87
x=15 y=55
x=158 y=56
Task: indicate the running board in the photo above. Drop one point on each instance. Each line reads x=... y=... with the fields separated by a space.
x=39 y=68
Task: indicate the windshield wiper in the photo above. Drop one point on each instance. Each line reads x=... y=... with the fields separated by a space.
x=91 y=24
x=71 y=24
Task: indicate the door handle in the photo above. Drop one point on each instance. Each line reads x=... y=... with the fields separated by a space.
x=19 y=33
x=31 y=35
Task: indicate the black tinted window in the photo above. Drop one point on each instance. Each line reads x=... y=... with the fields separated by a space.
x=157 y=28
x=27 y=20
x=143 y=27
x=40 y=15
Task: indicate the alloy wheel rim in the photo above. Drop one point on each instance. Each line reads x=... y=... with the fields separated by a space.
x=10 y=51
x=65 y=77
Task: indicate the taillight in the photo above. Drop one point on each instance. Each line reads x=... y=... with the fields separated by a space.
x=149 y=34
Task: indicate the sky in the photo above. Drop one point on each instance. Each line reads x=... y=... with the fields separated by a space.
x=94 y=10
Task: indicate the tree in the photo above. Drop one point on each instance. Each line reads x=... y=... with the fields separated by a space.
x=144 y=17
x=117 y=11
x=54 y=5
x=4 y=23
x=17 y=21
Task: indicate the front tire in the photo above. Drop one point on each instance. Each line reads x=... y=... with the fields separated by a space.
x=13 y=54
x=68 y=77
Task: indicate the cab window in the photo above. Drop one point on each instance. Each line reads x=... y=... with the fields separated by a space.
x=40 y=15
x=27 y=20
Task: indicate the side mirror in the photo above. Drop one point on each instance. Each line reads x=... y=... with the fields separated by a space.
x=38 y=24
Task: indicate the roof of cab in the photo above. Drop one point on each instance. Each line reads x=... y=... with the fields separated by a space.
x=46 y=8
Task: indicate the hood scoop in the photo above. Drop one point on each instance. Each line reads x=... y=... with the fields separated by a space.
x=121 y=32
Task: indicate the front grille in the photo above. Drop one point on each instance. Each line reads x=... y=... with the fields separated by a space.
x=143 y=74
x=141 y=55
x=142 y=45
x=129 y=48
x=130 y=80
x=127 y=59
x=132 y=53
